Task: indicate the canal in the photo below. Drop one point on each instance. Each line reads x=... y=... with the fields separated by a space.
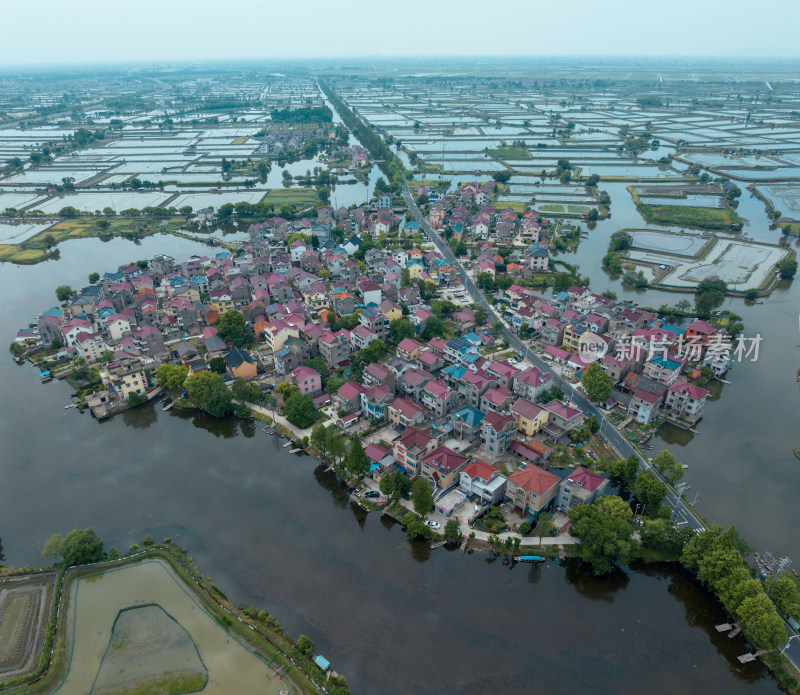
x=275 y=531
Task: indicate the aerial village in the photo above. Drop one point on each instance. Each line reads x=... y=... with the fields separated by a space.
x=355 y=316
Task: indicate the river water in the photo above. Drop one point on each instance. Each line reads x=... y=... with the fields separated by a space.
x=275 y=531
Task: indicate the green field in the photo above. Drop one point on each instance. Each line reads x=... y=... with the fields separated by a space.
x=291 y=196
x=685 y=216
x=510 y=153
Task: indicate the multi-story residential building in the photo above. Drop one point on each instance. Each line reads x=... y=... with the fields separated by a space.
x=665 y=370
x=438 y=397
x=530 y=383
x=531 y=489
x=581 y=486
x=375 y=402
x=442 y=467
x=411 y=447
x=409 y=349
x=473 y=386
x=561 y=418
x=335 y=347
x=375 y=321
x=348 y=397
x=481 y=480
x=403 y=412
x=361 y=337
x=412 y=382
x=685 y=401
x=530 y=417
x=496 y=399
x=375 y=373
x=466 y=422
x=497 y=432
x=307 y=380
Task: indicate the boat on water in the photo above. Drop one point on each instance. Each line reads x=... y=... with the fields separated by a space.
x=45 y=376
x=528 y=558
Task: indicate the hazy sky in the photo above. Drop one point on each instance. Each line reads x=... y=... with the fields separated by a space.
x=48 y=31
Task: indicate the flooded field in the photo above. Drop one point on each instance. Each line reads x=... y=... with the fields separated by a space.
x=176 y=635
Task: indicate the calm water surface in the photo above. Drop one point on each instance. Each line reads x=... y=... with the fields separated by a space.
x=275 y=531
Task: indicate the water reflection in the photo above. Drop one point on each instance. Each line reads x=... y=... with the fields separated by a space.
x=327 y=480
x=596 y=588
x=141 y=417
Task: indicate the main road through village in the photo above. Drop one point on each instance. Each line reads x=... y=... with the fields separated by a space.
x=682 y=514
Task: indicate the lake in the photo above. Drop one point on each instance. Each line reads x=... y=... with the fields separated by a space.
x=275 y=531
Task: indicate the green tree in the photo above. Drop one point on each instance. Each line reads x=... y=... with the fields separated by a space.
x=318 y=438
x=502 y=176
x=299 y=410
x=415 y=527
x=402 y=484
x=171 y=376
x=497 y=328
x=400 y=329
x=335 y=445
x=304 y=645
x=545 y=526
x=135 y=399
x=661 y=535
x=217 y=365
x=64 y=292
x=245 y=391
x=208 y=391
x=625 y=470
x=231 y=327
x=80 y=547
x=434 y=328
x=356 y=460
x=525 y=528
x=387 y=485
x=597 y=383
x=452 y=531
x=93 y=278
x=481 y=316
x=422 y=496
x=785 y=592
x=606 y=532
x=710 y=295
x=665 y=463
x=787 y=268
x=650 y=491
x=620 y=241
x=761 y=622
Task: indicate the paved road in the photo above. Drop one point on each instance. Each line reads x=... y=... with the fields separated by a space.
x=683 y=515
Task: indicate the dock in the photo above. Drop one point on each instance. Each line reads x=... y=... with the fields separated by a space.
x=289 y=443
x=298 y=449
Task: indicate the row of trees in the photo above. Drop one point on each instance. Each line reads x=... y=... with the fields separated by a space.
x=715 y=555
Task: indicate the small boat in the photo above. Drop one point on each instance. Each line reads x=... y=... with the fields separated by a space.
x=289 y=443
x=45 y=376
x=684 y=466
x=528 y=558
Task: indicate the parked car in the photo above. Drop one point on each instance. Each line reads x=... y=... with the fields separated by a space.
x=432 y=524
x=372 y=493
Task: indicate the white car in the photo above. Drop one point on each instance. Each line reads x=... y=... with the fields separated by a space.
x=432 y=524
